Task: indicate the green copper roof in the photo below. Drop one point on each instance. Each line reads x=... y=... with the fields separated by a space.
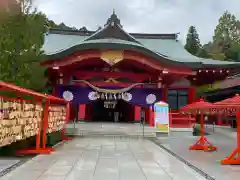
x=55 y=43
x=173 y=50
x=163 y=47
x=119 y=45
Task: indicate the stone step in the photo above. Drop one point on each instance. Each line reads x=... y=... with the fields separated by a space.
x=78 y=132
x=110 y=129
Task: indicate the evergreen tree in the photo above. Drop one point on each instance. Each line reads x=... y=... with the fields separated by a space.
x=227 y=36
x=22 y=36
x=192 y=42
x=227 y=30
x=202 y=53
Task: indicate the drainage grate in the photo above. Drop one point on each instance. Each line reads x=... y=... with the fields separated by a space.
x=199 y=171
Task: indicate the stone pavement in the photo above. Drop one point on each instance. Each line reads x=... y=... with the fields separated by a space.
x=6 y=163
x=105 y=159
x=209 y=162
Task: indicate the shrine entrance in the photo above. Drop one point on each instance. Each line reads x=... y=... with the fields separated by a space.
x=111 y=111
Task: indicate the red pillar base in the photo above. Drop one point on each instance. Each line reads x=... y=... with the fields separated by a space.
x=233 y=159
x=67 y=138
x=204 y=145
x=35 y=151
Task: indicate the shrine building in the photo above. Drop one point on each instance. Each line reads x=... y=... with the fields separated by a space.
x=112 y=75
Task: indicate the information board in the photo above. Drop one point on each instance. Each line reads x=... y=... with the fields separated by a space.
x=161 y=116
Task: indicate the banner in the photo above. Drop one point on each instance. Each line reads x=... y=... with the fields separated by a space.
x=143 y=97
x=161 y=117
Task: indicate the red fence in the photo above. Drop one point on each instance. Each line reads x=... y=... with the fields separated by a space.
x=21 y=118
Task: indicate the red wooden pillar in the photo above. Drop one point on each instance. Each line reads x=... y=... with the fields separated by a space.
x=131 y=112
x=164 y=94
x=192 y=94
x=88 y=112
x=219 y=120
x=170 y=119
x=55 y=92
x=146 y=111
x=137 y=113
x=82 y=112
x=151 y=117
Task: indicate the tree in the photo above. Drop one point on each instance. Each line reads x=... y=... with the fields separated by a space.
x=202 y=53
x=227 y=36
x=192 y=42
x=233 y=53
x=227 y=30
x=21 y=40
x=63 y=26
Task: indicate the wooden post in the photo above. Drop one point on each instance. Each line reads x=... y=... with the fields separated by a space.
x=137 y=113
x=82 y=112
x=164 y=94
x=192 y=94
x=203 y=143
x=45 y=123
x=151 y=117
x=234 y=158
x=202 y=128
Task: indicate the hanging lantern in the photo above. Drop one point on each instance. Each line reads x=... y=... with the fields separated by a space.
x=119 y=96
x=97 y=95
x=102 y=96
x=110 y=97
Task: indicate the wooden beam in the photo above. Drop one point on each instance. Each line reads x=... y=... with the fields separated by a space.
x=132 y=76
x=153 y=63
x=135 y=56
x=106 y=84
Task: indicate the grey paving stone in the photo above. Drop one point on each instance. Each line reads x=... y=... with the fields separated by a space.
x=105 y=158
x=58 y=170
x=50 y=177
x=6 y=163
x=209 y=162
x=76 y=174
x=25 y=175
x=106 y=174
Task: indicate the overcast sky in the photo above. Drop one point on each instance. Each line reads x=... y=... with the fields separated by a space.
x=149 y=16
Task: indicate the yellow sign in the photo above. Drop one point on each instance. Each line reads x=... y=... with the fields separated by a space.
x=112 y=57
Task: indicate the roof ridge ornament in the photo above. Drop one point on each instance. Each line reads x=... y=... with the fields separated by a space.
x=113 y=20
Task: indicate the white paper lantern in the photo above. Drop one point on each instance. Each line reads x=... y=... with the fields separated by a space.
x=151 y=98
x=127 y=97
x=68 y=96
x=93 y=96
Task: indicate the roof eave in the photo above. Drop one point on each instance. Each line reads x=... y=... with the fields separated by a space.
x=114 y=46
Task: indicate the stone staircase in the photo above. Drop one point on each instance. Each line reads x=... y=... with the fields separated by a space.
x=110 y=129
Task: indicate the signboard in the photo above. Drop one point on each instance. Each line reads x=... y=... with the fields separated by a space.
x=161 y=116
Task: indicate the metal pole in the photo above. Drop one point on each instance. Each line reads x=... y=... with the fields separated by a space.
x=74 y=126
x=213 y=126
x=142 y=122
x=143 y=127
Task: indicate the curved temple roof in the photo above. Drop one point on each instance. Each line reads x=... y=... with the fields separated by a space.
x=59 y=43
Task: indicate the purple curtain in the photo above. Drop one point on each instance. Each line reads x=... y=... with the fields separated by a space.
x=143 y=97
x=80 y=94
